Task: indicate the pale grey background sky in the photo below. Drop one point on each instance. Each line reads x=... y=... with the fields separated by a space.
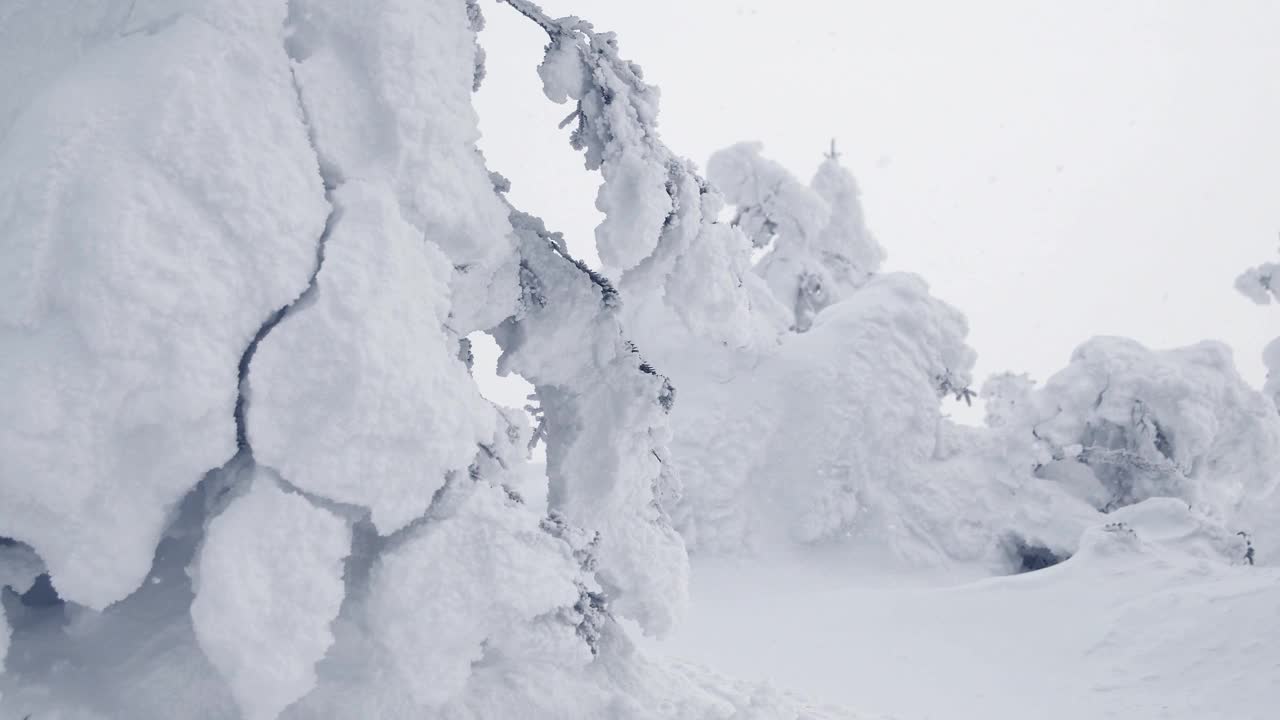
x=1056 y=170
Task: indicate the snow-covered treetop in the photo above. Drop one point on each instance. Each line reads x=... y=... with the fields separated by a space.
x=1261 y=284
x=820 y=249
x=771 y=202
x=845 y=241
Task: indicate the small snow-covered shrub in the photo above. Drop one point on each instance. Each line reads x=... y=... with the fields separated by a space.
x=1177 y=423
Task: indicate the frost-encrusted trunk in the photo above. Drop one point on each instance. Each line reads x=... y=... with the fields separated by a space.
x=603 y=417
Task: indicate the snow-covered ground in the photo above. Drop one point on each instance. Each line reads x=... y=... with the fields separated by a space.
x=1137 y=626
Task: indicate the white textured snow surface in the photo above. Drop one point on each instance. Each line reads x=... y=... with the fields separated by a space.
x=267 y=584
x=247 y=469
x=1144 y=622
x=151 y=226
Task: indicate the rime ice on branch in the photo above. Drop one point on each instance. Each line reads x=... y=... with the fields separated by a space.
x=604 y=417
x=659 y=240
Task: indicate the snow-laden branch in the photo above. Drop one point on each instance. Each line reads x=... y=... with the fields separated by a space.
x=535 y=13
x=660 y=239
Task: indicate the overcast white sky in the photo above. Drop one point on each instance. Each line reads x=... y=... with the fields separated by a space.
x=1056 y=170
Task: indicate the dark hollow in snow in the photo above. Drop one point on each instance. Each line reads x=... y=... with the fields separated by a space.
x=1038 y=558
x=41 y=594
x=1025 y=557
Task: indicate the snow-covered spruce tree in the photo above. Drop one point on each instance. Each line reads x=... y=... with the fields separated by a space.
x=244 y=244
x=836 y=432
x=819 y=247
x=1261 y=284
x=772 y=434
x=1122 y=423
x=827 y=425
x=1123 y=426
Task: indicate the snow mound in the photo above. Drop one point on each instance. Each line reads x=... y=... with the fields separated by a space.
x=1164 y=526
x=267 y=583
x=481 y=585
